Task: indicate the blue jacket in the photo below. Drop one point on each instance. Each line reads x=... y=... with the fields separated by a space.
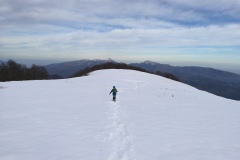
x=114 y=91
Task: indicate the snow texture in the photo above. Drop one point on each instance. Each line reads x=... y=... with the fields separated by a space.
x=153 y=118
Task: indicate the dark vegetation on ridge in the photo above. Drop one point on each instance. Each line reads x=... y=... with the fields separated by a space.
x=12 y=71
x=221 y=83
x=114 y=65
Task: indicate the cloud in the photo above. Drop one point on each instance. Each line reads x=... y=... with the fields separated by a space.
x=224 y=10
x=78 y=28
x=82 y=13
x=117 y=39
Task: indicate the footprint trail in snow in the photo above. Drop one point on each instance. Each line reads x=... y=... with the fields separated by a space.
x=120 y=137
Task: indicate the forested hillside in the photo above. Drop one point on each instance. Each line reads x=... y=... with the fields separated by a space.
x=12 y=71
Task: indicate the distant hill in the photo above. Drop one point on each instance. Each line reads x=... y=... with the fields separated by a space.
x=67 y=69
x=115 y=65
x=215 y=81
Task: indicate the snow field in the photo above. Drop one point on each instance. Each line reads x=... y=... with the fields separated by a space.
x=153 y=118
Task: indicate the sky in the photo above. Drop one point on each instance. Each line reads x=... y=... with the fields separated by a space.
x=177 y=32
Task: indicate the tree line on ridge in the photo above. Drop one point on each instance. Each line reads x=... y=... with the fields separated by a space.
x=12 y=71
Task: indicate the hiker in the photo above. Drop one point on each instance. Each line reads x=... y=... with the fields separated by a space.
x=114 y=93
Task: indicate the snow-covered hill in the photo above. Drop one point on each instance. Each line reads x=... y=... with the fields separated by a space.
x=153 y=119
x=218 y=82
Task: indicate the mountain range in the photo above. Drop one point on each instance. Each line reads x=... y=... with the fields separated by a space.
x=221 y=83
x=67 y=69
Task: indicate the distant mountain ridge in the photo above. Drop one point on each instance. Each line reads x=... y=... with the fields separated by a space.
x=190 y=71
x=222 y=83
x=67 y=69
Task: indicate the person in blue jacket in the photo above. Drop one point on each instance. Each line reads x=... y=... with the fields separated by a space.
x=114 y=93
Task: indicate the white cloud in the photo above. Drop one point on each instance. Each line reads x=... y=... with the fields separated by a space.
x=217 y=36
x=78 y=28
x=92 y=11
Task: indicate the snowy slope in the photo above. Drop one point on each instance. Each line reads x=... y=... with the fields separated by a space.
x=154 y=118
